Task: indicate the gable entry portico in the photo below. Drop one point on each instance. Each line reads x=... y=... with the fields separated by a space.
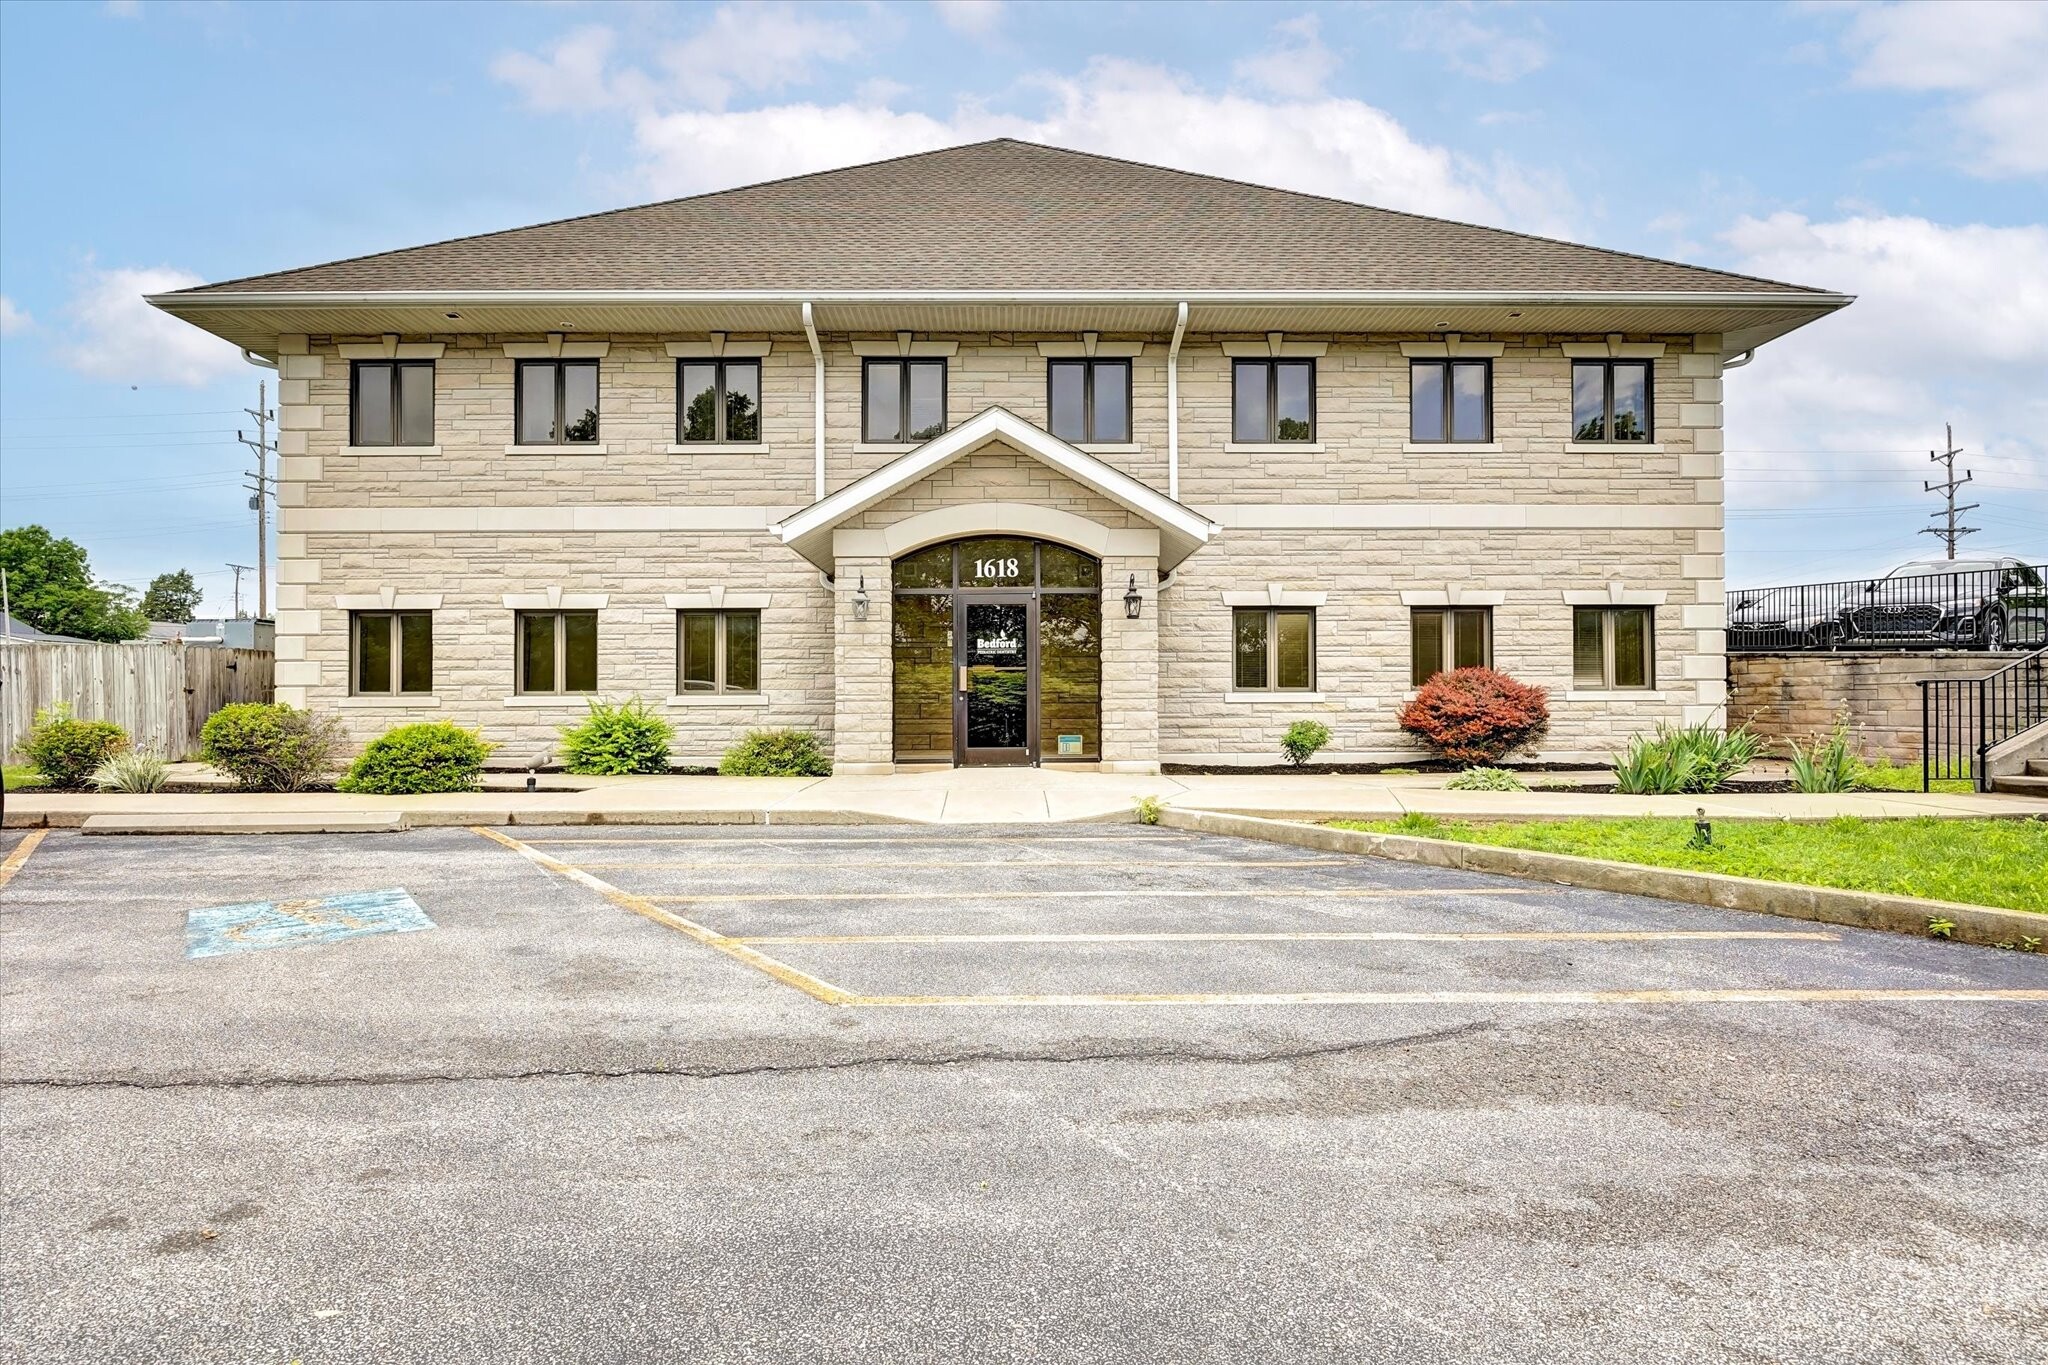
x=995 y=475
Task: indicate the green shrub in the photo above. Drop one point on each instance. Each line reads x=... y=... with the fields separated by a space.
x=1830 y=765
x=1486 y=780
x=434 y=756
x=776 y=753
x=1302 y=740
x=66 y=751
x=1475 y=715
x=271 y=747
x=131 y=770
x=1148 y=809
x=1684 y=759
x=616 y=740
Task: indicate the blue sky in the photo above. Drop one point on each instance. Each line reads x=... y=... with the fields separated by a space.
x=1892 y=151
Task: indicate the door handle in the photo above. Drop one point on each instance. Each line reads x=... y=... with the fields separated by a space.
x=963 y=677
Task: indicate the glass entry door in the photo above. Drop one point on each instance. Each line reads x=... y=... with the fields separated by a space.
x=995 y=701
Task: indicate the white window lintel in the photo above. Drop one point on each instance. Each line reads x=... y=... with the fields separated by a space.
x=1453 y=347
x=1275 y=595
x=719 y=347
x=388 y=599
x=389 y=347
x=1275 y=346
x=555 y=348
x=717 y=598
x=1613 y=348
x=1615 y=594
x=904 y=344
x=554 y=599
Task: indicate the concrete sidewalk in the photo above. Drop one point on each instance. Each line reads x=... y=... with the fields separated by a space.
x=954 y=796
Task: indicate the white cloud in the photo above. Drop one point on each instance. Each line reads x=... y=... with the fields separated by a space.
x=13 y=320
x=755 y=48
x=1296 y=64
x=1990 y=55
x=1950 y=324
x=112 y=334
x=975 y=18
x=1487 y=52
x=1325 y=145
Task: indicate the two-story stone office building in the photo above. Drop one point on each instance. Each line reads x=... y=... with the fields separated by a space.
x=1000 y=454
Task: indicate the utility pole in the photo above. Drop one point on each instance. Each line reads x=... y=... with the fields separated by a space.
x=239 y=569
x=1949 y=532
x=260 y=489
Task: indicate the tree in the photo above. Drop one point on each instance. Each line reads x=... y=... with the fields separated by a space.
x=50 y=586
x=171 y=597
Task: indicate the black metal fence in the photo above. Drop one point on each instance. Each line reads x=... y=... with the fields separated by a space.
x=1963 y=719
x=1987 y=605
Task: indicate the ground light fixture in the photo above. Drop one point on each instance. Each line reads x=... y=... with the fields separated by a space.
x=860 y=599
x=1133 y=603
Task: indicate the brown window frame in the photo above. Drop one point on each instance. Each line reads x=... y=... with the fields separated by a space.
x=1272 y=368
x=395 y=625
x=1448 y=365
x=1089 y=367
x=355 y=415
x=561 y=369
x=1447 y=636
x=1608 y=437
x=904 y=436
x=519 y=619
x=1272 y=682
x=720 y=686
x=1606 y=682
x=719 y=436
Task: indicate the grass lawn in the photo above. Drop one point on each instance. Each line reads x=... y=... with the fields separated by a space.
x=1977 y=862
x=21 y=777
x=1881 y=776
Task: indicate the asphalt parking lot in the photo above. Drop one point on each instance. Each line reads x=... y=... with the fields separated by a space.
x=1080 y=1093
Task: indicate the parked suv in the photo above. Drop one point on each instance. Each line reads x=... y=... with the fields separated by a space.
x=1969 y=603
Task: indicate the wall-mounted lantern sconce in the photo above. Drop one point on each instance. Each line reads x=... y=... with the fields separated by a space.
x=860 y=599
x=1133 y=603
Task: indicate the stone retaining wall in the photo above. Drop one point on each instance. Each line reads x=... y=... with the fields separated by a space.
x=1796 y=696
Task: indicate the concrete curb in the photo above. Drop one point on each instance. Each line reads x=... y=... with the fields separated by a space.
x=311 y=822
x=1824 y=905
x=389 y=821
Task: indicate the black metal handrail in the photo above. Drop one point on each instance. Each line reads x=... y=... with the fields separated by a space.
x=2002 y=607
x=1963 y=719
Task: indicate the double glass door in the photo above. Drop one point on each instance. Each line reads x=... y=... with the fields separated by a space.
x=995 y=673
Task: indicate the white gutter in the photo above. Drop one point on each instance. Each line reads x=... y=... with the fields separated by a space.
x=1740 y=360
x=1180 y=327
x=255 y=359
x=818 y=386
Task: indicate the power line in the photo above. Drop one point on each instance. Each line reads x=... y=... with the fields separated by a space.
x=262 y=482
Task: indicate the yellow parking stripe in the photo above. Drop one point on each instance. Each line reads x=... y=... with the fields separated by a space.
x=19 y=856
x=1500 y=936
x=1284 y=893
x=710 y=938
x=1179 y=869
x=1792 y=996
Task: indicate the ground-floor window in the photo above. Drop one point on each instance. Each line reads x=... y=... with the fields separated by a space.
x=393 y=652
x=1274 y=649
x=1442 y=638
x=718 y=651
x=557 y=651
x=1613 y=647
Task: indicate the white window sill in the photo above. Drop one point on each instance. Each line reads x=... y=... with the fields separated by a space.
x=1615 y=694
x=538 y=700
x=718 y=448
x=1123 y=448
x=1609 y=447
x=1276 y=448
x=885 y=447
x=390 y=450
x=580 y=448
x=1271 y=698
x=719 y=699
x=1451 y=448
x=389 y=702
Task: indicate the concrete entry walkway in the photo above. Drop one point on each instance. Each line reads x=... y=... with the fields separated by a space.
x=967 y=796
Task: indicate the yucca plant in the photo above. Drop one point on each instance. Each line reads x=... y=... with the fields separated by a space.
x=132 y=770
x=1486 y=780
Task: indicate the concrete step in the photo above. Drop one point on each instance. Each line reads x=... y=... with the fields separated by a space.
x=248 y=822
x=2021 y=786
x=2037 y=767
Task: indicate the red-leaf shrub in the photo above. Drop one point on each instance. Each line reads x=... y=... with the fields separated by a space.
x=1475 y=715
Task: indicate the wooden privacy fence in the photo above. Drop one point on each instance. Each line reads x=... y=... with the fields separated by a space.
x=159 y=693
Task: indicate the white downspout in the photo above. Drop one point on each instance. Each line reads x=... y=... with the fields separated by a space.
x=1739 y=361
x=1180 y=327
x=818 y=386
x=255 y=359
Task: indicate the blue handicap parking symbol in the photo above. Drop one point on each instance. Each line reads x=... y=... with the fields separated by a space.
x=290 y=924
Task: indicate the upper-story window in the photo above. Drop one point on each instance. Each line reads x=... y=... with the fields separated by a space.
x=391 y=403
x=1272 y=401
x=556 y=402
x=718 y=400
x=1089 y=401
x=1450 y=401
x=1611 y=400
x=902 y=401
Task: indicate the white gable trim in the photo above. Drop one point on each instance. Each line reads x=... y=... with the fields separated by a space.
x=1183 y=530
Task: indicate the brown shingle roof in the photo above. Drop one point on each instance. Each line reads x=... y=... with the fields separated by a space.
x=1004 y=215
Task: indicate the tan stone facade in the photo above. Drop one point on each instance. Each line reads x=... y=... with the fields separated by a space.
x=1528 y=522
